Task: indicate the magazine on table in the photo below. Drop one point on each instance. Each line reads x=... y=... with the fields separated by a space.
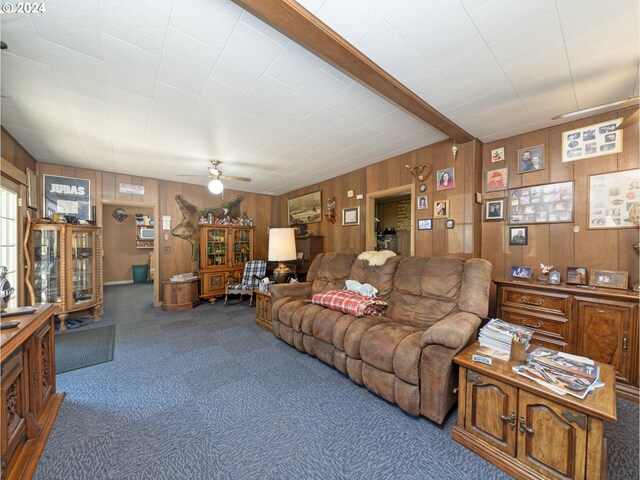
x=561 y=373
x=498 y=334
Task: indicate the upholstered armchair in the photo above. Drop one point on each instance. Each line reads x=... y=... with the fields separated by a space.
x=254 y=272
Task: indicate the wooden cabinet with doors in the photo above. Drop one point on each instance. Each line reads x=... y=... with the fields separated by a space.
x=65 y=268
x=598 y=323
x=29 y=401
x=527 y=430
x=224 y=249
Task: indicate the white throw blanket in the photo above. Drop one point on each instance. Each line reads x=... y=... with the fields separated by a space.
x=376 y=258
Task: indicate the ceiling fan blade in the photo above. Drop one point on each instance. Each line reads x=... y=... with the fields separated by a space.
x=238 y=179
x=630 y=120
x=597 y=107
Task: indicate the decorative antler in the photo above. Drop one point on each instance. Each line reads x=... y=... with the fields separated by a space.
x=418 y=171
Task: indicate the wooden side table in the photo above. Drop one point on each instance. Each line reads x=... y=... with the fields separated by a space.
x=181 y=295
x=527 y=430
x=263 y=309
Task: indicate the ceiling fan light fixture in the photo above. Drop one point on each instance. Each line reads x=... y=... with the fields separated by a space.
x=215 y=186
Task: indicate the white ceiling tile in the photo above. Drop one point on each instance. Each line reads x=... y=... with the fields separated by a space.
x=386 y=7
x=129 y=67
x=20 y=36
x=186 y=62
x=263 y=28
x=162 y=132
x=294 y=66
x=247 y=55
x=23 y=75
x=197 y=134
x=142 y=23
x=472 y=5
x=210 y=21
x=359 y=118
x=76 y=71
x=74 y=24
x=416 y=17
x=16 y=116
x=619 y=56
x=172 y=103
x=85 y=109
x=319 y=89
x=279 y=121
x=311 y=5
x=383 y=45
x=543 y=83
x=125 y=106
x=606 y=87
x=265 y=96
x=351 y=98
x=538 y=65
x=352 y=19
x=579 y=16
x=317 y=120
x=218 y=100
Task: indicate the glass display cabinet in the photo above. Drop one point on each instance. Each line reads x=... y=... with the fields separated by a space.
x=224 y=249
x=64 y=268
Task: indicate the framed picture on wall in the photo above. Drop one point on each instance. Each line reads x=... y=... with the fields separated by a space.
x=592 y=141
x=497 y=179
x=494 y=209
x=550 y=203
x=351 y=216
x=422 y=202
x=497 y=155
x=445 y=179
x=518 y=235
x=67 y=195
x=576 y=276
x=531 y=159
x=614 y=200
x=306 y=208
x=441 y=209
x=609 y=279
x=425 y=224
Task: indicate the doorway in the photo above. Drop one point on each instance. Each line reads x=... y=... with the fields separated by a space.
x=130 y=243
x=390 y=220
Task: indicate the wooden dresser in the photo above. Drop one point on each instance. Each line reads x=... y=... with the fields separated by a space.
x=29 y=402
x=180 y=295
x=598 y=323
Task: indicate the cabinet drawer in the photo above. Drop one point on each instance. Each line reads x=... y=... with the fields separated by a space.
x=213 y=283
x=545 y=327
x=535 y=299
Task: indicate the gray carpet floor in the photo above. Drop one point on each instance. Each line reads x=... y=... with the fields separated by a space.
x=206 y=394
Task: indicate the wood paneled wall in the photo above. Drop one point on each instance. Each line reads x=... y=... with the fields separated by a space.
x=463 y=241
x=558 y=244
x=13 y=152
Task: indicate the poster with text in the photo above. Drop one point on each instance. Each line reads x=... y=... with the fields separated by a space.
x=66 y=195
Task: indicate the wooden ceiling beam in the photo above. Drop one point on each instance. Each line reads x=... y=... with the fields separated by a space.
x=297 y=23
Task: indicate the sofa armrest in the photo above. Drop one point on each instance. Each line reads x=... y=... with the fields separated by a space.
x=453 y=331
x=281 y=290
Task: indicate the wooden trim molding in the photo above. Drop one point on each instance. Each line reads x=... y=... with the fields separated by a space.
x=10 y=171
x=294 y=21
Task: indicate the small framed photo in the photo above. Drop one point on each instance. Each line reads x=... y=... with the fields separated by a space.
x=441 y=209
x=497 y=179
x=554 y=277
x=300 y=255
x=422 y=202
x=518 y=235
x=422 y=188
x=497 y=155
x=521 y=272
x=531 y=159
x=351 y=216
x=425 y=224
x=609 y=278
x=450 y=223
x=445 y=178
x=494 y=209
x=576 y=276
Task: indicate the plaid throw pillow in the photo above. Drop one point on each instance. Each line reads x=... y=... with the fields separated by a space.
x=346 y=301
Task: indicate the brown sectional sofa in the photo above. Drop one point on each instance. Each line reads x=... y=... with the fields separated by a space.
x=406 y=356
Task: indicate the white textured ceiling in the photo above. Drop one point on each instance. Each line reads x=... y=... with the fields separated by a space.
x=157 y=88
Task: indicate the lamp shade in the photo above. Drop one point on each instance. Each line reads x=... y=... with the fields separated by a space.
x=216 y=186
x=282 y=244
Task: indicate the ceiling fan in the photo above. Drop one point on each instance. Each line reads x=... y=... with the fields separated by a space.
x=215 y=174
x=630 y=120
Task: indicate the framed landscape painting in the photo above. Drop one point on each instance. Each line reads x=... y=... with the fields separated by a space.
x=306 y=208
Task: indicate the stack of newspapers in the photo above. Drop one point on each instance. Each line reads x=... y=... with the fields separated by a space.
x=496 y=336
x=561 y=372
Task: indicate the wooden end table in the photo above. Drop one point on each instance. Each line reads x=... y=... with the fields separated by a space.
x=526 y=429
x=263 y=309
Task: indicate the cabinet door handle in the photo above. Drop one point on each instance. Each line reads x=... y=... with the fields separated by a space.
x=539 y=303
x=511 y=419
x=524 y=428
x=530 y=325
x=625 y=343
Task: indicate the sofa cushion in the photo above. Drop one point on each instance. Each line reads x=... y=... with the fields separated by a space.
x=356 y=330
x=393 y=348
x=333 y=270
x=381 y=277
x=287 y=308
x=425 y=290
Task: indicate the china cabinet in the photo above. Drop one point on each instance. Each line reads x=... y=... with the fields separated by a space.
x=65 y=268
x=224 y=249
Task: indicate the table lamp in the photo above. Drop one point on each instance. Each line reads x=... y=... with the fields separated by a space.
x=282 y=247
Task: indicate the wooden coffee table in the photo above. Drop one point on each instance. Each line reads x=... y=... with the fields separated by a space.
x=526 y=429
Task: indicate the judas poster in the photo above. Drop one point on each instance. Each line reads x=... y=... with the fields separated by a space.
x=66 y=195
